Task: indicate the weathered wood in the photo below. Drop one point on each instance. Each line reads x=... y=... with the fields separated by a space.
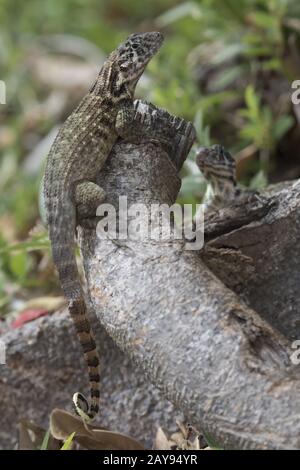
x=268 y=246
x=195 y=339
x=44 y=365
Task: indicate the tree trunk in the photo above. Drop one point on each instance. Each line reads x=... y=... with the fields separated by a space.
x=202 y=325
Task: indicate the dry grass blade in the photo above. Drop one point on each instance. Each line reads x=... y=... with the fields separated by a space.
x=88 y=436
x=108 y=440
x=63 y=423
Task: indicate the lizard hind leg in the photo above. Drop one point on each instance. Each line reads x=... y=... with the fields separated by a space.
x=88 y=196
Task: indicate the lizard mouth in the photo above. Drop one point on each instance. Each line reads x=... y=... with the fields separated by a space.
x=202 y=154
x=156 y=39
x=159 y=38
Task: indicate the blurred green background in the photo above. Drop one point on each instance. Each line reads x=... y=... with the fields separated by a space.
x=226 y=65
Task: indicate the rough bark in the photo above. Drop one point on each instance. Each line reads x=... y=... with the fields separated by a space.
x=266 y=243
x=44 y=365
x=218 y=360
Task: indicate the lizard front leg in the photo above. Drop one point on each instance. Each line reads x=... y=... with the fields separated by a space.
x=249 y=196
x=88 y=197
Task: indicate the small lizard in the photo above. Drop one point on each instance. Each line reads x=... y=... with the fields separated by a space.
x=71 y=196
x=219 y=169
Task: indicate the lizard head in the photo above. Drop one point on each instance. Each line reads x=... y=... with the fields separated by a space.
x=217 y=166
x=132 y=56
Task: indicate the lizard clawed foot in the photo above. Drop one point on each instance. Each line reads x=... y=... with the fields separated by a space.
x=254 y=196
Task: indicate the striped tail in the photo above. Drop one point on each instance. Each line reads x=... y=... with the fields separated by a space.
x=86 y=411
x=62 y=232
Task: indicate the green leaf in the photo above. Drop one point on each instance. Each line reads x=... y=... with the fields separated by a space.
x=216 y=99
x=259 y=51
x=203 y=132
x=4 y=300
x=264 y=20
x=186 y=9
x=272 y=64
x=18 y=264
x=44 y=445
x=68 y=442
x=252 y=102
x=34 y=244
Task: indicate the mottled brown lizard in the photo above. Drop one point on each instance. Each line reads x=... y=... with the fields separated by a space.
x=70 y=193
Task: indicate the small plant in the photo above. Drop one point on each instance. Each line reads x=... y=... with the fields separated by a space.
x=260 y=127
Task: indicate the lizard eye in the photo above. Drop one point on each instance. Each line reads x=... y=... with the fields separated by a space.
x=135 y=46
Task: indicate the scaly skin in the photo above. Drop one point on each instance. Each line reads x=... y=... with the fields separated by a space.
x=70 y=194
x=218 y=167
